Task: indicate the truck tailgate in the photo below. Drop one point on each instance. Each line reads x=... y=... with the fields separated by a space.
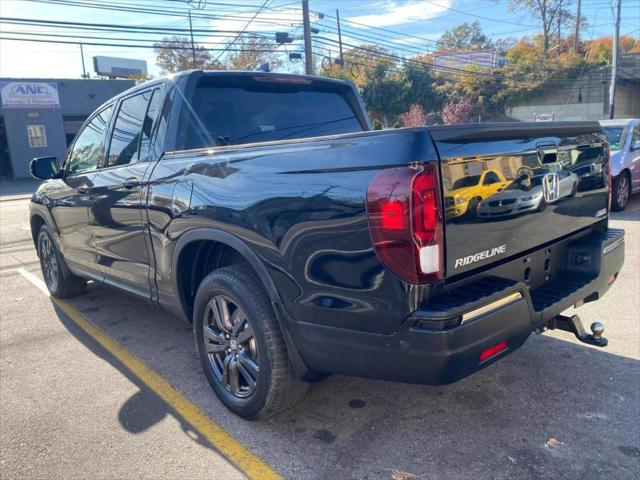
x=512 y=187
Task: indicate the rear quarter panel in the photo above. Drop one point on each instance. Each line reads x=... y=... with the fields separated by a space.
x=300 y=206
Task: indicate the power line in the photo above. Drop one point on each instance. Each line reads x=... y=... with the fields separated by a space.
x=388 y=56
x=101 y=44
x=244 y=28
x=115 y=27
x=476 y=16
x=113 y=6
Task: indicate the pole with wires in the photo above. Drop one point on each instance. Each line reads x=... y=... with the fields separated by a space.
x=559 y=27
x=576 y=37
x=308 y=54
x=193 y=47
x=84 y=70
x=340 y=39
x=614 y=61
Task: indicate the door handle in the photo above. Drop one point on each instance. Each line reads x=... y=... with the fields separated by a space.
x=82 y=189
x=130 y=183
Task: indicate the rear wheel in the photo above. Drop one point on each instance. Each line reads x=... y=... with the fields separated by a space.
x=60 y=282
x=472 y=208
x=542 y=206
x=241 y=347
x=621 y=192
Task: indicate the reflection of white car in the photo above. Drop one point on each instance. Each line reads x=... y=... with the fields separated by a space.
x=525 y=194
x=624 y=141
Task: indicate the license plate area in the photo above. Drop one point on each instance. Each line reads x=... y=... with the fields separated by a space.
x=542 y=266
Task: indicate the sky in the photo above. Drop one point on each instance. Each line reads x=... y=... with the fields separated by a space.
x=413 y=25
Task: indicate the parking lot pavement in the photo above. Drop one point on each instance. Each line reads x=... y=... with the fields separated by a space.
x=555 y=408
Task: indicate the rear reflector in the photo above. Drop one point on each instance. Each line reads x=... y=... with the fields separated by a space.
x=493 y=351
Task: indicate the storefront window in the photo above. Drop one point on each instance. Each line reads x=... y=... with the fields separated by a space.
x=37 y=136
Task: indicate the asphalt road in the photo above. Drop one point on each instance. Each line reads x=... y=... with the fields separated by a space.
x=555 y=408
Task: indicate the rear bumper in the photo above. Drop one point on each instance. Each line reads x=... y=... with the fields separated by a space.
x=436 y=346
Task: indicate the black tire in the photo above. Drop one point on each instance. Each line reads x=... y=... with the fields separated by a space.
x=275 y=387
x=472 y=207
x=60 y=282
x=542 y=206
x=621 y=192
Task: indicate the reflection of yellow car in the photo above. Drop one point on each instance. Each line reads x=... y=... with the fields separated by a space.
x=466 y=192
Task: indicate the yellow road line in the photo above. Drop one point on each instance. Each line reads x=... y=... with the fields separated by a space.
x=245 y=461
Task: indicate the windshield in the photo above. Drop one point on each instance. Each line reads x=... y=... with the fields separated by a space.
x=465 y=182
x=250 y=111
x=614 y=136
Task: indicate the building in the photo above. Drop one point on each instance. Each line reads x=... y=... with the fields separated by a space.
x=587 y=98
x=40 y=117
x=491 y=58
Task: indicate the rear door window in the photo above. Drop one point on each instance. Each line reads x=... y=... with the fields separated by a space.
x=149 y=122
x=127 y=131
x=250 y=111
x=491 y=178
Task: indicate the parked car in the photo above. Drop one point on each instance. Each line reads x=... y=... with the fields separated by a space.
x=624 y=142
x=261 y=208
x=526 y=194
x=468 y=191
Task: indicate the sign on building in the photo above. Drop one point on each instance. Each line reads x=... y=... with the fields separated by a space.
x=460 y=60
x=32 y=95
x=115 y=67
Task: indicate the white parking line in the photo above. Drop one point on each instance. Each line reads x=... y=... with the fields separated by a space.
x=30 y=277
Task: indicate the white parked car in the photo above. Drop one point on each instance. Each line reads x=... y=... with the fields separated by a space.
x=527 y=194
x=624 y=142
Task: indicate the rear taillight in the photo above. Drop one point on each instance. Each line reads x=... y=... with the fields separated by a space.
x=405 y=219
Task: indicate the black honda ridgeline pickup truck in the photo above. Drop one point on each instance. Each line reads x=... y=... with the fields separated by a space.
x=263 y=209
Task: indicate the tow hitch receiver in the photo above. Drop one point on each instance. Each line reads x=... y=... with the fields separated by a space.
x=574 y=325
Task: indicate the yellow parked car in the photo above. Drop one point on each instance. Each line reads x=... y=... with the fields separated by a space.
x=467 y=192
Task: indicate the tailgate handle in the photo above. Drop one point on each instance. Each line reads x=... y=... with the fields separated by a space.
x=547 y=153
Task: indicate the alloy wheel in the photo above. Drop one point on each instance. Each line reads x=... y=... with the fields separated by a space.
x=49 y=263
x=231 y=346
x=623 y=191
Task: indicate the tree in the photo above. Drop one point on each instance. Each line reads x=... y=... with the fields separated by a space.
x=253 y=52
x=174 y=54
x=417 y=83
x=466 y=36
x=383 y=91
x=357 y=61
x=547 y=13
x=599 y=50
x=457 y=111
x=414 y=117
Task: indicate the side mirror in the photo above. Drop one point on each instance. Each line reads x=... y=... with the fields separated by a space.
x=44 y=168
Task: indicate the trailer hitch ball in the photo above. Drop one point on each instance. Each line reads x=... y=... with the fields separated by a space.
x=597 y=329
x=574 y=325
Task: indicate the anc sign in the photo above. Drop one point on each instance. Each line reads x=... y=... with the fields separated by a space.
x=31 y=95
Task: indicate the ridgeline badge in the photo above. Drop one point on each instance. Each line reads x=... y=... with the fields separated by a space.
x=476 y=257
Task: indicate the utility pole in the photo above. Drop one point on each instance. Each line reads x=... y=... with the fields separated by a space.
x=614 y=61
x=559 y=26
x=193 y=48
x=340 y=39
x=308 y=54
x=576 y=37
x=84 y=71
